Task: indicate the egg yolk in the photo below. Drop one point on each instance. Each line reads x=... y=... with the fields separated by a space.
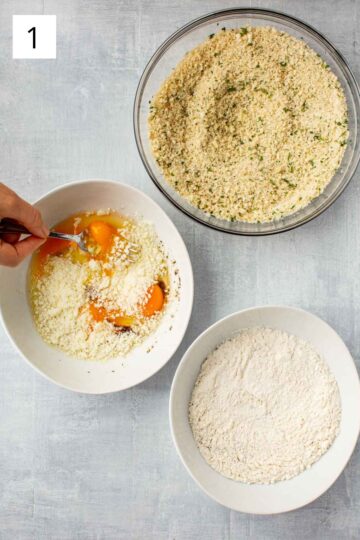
x=122 y=320
x=99 y=314
x=154 y=304
x=155 y=301
x=53 y=245
x=103 y=234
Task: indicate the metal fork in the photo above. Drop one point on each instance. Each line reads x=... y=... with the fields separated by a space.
x=9 y=226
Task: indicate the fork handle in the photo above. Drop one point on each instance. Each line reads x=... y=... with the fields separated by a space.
x=8 y=226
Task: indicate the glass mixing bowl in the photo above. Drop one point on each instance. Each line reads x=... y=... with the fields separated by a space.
x=173 y=50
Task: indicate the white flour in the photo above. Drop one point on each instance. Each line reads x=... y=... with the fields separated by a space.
x=265 y=407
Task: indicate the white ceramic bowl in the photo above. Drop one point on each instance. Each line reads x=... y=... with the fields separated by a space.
x=116 y=374
x=289 y=494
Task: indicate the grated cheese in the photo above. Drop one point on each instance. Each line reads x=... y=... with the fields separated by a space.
x=61 y=296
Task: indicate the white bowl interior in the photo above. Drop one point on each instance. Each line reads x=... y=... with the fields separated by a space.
x=290 y=494
x=118 y=373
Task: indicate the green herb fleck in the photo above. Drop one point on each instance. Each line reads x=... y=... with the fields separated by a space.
x=262 y=90
x=288 y=183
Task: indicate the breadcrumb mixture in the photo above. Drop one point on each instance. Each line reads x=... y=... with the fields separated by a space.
x=71 y=286
x=250 y=126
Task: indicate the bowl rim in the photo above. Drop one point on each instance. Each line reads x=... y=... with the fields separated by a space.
x=165 y=45
x=191 y=285
x=177 y=375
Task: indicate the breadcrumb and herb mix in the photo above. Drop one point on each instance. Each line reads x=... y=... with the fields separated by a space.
x=250 y=126
x=100 y=304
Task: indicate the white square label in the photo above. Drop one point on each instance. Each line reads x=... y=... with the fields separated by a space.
x=34 y=36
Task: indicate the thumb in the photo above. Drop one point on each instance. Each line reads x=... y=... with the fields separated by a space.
x=13 y=254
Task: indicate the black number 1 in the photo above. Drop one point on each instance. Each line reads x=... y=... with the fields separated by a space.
x=33 y=29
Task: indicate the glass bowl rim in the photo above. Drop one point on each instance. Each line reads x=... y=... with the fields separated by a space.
x=165 y=45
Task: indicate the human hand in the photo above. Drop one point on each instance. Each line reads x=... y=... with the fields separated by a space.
x=12 y=249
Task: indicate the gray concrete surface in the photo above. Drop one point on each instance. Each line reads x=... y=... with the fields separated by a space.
x=92 y=467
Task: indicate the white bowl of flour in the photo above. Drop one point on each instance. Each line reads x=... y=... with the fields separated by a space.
x=265 y=409
x=97 y=376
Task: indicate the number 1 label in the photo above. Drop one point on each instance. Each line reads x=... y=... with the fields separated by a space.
x=33 y=30
x=34 y=36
